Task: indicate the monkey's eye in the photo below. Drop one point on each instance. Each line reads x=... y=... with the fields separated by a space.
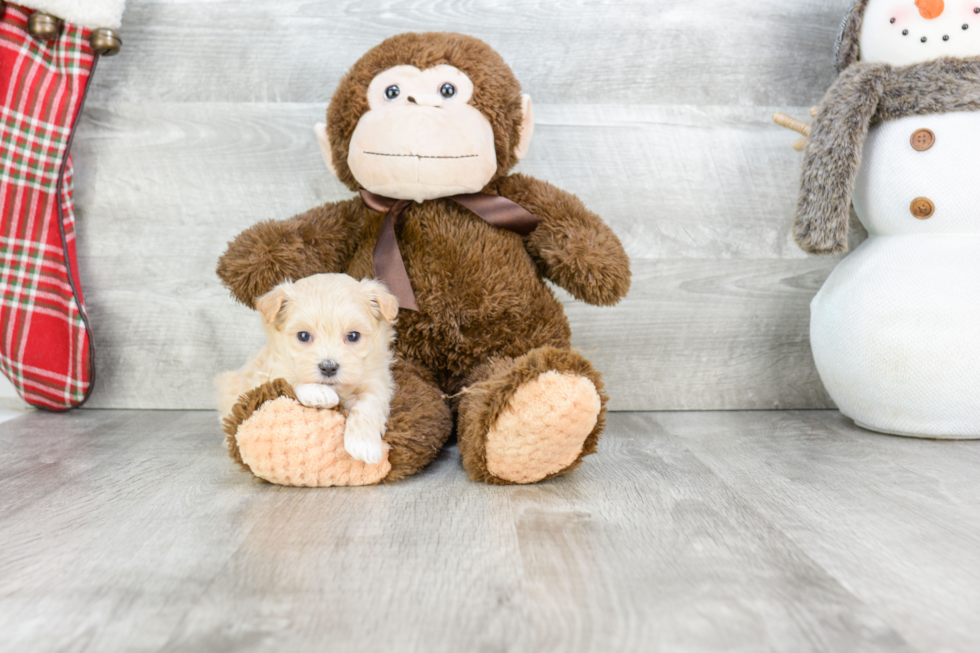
x=447 y=90
x=353 y=336
x=304 y=336
x=392 y=92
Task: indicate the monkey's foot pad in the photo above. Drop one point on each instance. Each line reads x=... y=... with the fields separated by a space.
x=286 y=443
x=543 y=427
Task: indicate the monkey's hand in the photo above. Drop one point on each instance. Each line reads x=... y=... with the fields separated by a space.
x=268 y=253
x=572 y=246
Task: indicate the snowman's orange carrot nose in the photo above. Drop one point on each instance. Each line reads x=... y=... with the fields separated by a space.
x=930 y=8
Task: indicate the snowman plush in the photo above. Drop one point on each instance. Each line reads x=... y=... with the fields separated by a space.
x=895 y=330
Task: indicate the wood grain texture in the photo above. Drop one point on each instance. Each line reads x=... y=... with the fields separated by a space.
x=655 y=113
x=673 y=182
x=721 y=334
x=896 y=517
x=717 y=317
x=718 y=334
x=740 y=52
x=748 y=531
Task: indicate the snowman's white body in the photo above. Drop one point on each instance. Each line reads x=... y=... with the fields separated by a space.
x=895 y=330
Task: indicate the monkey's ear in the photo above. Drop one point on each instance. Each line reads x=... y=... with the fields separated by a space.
x=527 y=126
x=321 y=135
x=270 y=305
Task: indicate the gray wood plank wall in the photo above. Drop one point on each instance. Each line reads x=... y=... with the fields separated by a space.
x=655 y=112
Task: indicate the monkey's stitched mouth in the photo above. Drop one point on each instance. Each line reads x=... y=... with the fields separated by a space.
x=424 y=156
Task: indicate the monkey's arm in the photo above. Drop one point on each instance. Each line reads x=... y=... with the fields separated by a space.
x=266 y=254
x=572 y=246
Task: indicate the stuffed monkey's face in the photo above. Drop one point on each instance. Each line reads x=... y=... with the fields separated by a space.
x=421 y=138
x=903 y=32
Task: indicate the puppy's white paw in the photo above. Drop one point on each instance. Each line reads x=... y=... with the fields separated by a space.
x=316 y=395
x=364 y=446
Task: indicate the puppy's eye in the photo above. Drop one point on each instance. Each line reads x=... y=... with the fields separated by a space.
x=392 y=92
x=353 y=336
x=304 y=336
x=447 y=90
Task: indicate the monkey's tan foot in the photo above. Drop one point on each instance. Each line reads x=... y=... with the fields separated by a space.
x=530 y=418
x=281 y=441
x=543 y=427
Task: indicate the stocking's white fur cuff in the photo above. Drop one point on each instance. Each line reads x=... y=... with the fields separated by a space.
x=87 y=13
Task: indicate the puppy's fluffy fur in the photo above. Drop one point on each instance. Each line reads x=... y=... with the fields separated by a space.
x=330 y=337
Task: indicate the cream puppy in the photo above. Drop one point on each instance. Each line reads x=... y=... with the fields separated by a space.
x=330 y=338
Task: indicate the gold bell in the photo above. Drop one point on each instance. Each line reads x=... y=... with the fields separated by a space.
x=43 y=26
x=104 y=42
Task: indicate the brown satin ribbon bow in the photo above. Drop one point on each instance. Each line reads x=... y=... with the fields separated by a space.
x=388 y=264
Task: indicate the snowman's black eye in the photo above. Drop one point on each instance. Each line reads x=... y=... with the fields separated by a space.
x=392 y=92
x=447 y=90
x=946 y=37
x=976 y=10
x=892 y=21
x=965 y=26
x=905 y=32
x=923 y=39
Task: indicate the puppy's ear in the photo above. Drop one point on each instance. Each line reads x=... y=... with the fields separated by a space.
x=272 y=304
x=385 y=304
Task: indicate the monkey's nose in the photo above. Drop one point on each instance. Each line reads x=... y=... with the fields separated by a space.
x=328 y=368
x=930 y=9
x=425 y=100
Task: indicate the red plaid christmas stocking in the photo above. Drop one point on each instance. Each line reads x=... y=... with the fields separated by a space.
x=45 y=340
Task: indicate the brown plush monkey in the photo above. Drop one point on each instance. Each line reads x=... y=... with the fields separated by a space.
x=420 y=126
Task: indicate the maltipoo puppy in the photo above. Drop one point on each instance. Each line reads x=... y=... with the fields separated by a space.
x=330 y=338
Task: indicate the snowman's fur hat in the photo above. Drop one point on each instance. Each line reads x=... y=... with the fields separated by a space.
x=866 y=94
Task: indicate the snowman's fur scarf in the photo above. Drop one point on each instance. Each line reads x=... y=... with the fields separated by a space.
x=866 y=94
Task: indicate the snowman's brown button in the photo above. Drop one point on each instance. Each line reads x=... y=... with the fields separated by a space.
x=923 y=139
x=922 y=208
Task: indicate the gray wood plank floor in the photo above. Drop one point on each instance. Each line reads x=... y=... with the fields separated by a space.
x=725 y=531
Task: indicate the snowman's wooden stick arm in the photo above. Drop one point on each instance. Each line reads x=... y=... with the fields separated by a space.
x=798 y=126
x=789 y=122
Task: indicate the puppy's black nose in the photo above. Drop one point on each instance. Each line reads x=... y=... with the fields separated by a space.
x=328 y=368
